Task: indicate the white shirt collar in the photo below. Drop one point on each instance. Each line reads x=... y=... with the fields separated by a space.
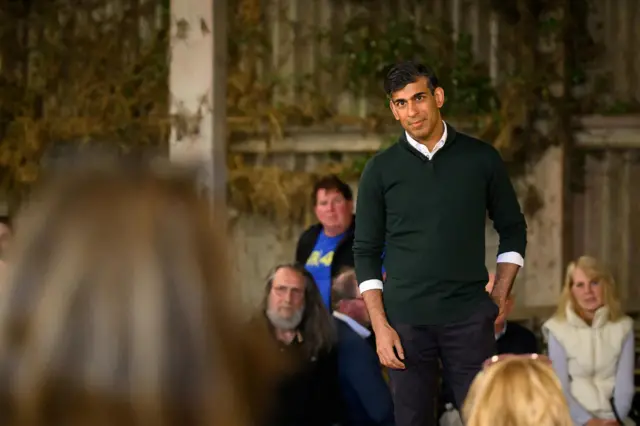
x=423 y=149
x=501 y=333
x=355 y=326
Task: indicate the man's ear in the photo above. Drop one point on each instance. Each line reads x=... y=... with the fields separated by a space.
x=438 y=94
x=393 y=110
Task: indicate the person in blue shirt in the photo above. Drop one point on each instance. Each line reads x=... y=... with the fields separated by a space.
x=325 y=248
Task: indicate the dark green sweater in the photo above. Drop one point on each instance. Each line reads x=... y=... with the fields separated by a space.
x=431 y=215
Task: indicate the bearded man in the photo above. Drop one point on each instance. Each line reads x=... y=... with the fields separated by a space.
x=308 y=393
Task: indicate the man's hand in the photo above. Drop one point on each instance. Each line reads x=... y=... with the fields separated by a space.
x=387 y=344
x=505 y=276
x=387 y=339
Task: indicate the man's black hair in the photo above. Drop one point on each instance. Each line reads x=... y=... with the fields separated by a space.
x=407 y=72
x=332 y=183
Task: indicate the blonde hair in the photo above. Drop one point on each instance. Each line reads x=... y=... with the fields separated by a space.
x=595 y=271
x=118 y=309
x=516 y=392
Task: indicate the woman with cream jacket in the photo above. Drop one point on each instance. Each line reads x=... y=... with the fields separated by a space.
x=591 y=346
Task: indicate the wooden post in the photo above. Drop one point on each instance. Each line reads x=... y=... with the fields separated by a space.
x=198 y=91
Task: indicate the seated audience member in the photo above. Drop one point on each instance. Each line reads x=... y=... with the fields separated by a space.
x=309 y=392
x=365 y=392
x=116 y=311
x=516 y=390
x=591 y=345
x=511 y=337
x=326 y=247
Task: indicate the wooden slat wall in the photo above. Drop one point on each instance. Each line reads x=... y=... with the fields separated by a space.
x=614 y=24
x=607 y=217
x=295 y=53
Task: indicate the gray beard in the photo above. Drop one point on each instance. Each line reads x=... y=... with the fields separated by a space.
x=288 y=324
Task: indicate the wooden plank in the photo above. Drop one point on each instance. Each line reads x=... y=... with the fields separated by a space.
x=609 y=121
x=591 y=230
x=624 y=226
x=633 y=196
x=623 y=53
x=579 y=222
x=615 y=232
x=634 y=41
x=198 y=89
x=630 y=18
x=602 y=138
x=494 y=47
x=312 y=144
x=594 y=132
x=356 y=142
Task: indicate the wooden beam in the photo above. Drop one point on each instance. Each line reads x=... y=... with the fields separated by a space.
x=593 y=132
x=602 y=138
x=198 y=90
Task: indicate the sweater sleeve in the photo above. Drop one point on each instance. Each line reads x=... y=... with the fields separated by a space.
x=504 y=209
x=558 y=358
x=369 y=238
x=624 y=387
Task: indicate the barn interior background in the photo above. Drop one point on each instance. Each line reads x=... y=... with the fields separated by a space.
x=553 y=84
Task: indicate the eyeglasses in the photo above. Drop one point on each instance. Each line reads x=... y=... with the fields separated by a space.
x=282 y=290
x=497 y=358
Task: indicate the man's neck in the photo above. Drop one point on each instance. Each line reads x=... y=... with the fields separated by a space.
x=285 y=336
x=432 y=140
x=334 y=232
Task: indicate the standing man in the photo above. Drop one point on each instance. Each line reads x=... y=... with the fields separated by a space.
x=425 y=201
x=326 y=247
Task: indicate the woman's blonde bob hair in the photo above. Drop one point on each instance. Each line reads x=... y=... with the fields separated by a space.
x=516 y=392
x=596 y=272
x=118 y=309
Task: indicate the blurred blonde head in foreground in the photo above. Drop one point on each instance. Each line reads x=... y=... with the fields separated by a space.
x=516 y=391
x=118 y=309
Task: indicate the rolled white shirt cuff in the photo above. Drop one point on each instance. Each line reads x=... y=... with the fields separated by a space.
x=511 y=257
x=370 y=285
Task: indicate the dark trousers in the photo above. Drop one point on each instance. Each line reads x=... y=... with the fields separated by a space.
x=461 y=347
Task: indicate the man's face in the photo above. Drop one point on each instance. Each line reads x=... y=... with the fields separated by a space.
x=286 y=299
x=417 y=109
x=334 y=212
x=354 y=308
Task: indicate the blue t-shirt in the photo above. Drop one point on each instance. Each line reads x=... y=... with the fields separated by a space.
x=319 y=264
